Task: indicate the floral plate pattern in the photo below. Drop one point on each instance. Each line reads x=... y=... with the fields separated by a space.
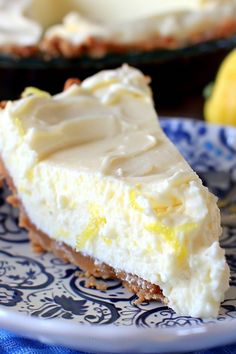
x=35 y=287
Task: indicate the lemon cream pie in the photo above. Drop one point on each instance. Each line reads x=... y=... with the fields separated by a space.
x=75 y=27
x=102 y=26
x=99 y=184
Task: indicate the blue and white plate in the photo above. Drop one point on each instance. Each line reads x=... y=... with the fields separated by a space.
x=41 y=297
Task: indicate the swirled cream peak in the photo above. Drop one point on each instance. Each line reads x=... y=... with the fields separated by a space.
x=104 y=113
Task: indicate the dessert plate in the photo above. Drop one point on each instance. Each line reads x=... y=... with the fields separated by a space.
x=42 y=298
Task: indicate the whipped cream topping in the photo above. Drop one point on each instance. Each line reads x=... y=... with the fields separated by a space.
x=176 y=19
x=17 y=6
x=52 y=124
x=15 y=27
x=94 y=170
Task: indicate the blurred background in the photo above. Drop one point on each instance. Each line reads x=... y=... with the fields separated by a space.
x=179 y=75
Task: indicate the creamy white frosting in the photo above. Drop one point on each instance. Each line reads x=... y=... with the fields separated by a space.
x=131 y=22
x=93 y=169
x=15 y=28
x=17 y=6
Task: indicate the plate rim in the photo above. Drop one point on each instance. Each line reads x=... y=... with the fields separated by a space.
x=196 y=121
x=63 y=332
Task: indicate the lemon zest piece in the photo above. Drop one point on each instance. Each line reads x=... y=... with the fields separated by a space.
x=19 y=126
x=133 y=200
x=185 y=227
x=30 y=175
x=93 y=227
x=62 y=233
x=107 y=240
x=149 y=249
x=34 y=91
x=67 y=203
x=24 y=190
x=169 y=234
x=160 y=209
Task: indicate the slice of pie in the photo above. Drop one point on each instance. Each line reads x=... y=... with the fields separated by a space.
x=99 y=184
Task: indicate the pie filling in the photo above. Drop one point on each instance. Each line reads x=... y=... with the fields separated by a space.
x=42 y=242
x=93 y=171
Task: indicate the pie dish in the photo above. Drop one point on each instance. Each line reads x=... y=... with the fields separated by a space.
x=99 y=184
x=84 y=27
x=177 y=67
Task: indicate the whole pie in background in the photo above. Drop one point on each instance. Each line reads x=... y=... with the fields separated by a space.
x=74 y=27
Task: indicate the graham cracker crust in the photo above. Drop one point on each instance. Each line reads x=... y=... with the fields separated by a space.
x=41 y=242
x=19 y=51
x=57 y=46
x=53 y=47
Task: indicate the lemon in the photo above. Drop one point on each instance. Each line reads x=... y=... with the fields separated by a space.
x=220 y=107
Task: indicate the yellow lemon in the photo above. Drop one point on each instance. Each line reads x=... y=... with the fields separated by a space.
x=220 y=107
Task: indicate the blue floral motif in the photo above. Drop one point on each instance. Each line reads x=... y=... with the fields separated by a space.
x=227 y=141
x=178 y=134
x=228 y=239
x=9 y=296
x=10 y=230
x=164 y=317
x=77 y=307
x=61 y=303
x=61 y=306
x=106 y=311
x=202 y=130
x=231 y=260
x=178 y=321
x=23 y=272
x=228 y=309
x=128 y=315
x=203 y=146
